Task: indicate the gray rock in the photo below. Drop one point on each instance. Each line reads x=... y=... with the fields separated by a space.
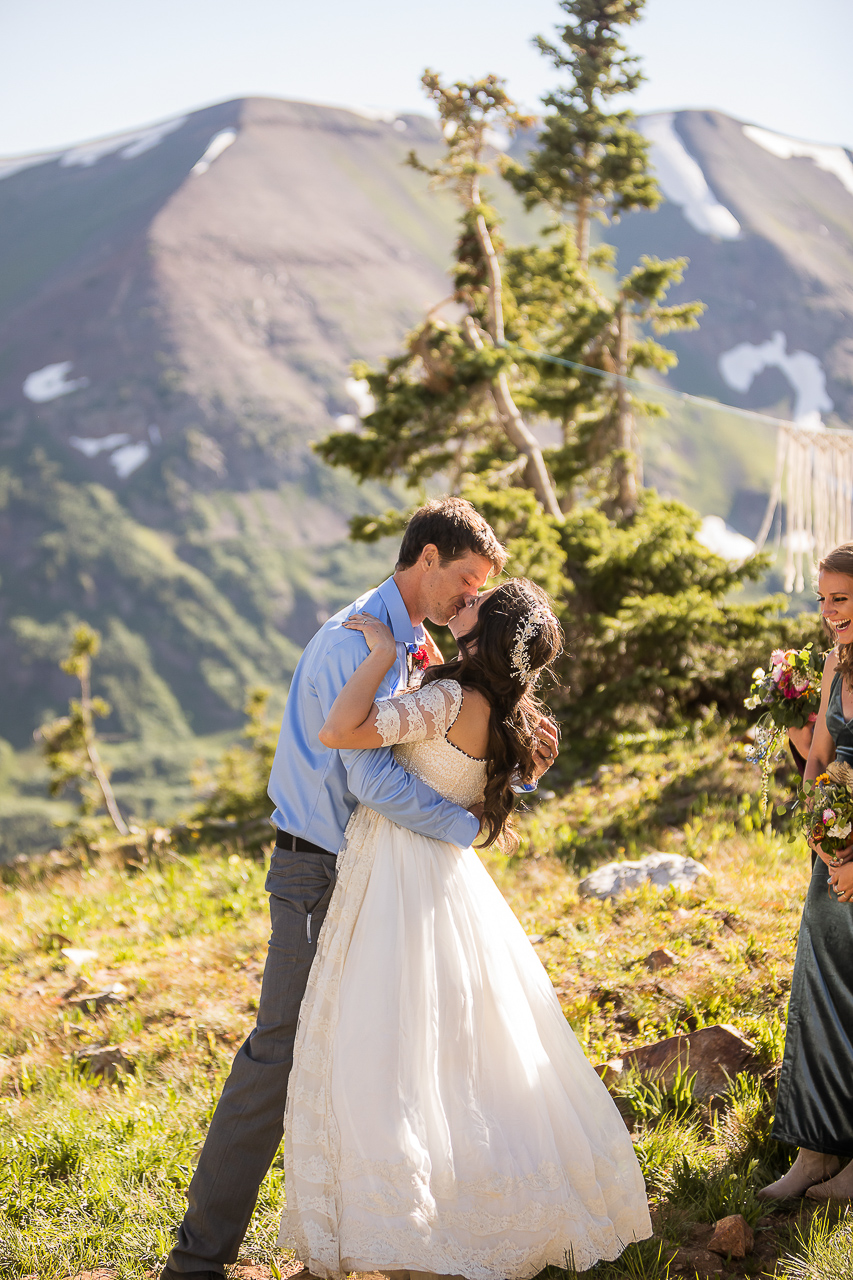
x=661 y=869
x=106 y=1062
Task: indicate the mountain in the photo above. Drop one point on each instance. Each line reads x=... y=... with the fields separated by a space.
x=766 y=222
x=179 y=307
x=178 y=312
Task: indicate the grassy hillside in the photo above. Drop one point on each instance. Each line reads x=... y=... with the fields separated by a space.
x=93 y=1171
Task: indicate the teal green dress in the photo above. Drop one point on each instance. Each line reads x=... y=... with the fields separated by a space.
x=814 y=1105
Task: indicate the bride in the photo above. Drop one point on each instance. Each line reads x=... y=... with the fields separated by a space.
x=441 y=1116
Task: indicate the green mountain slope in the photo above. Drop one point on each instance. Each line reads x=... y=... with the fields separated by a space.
x=179 y=309
x=203 y=322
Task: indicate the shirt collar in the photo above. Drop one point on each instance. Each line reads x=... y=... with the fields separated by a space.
x=401 y=623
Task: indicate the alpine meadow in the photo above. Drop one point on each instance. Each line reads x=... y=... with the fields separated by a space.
x=237 y=350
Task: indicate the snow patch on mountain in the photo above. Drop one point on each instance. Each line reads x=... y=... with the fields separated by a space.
x=128 y=145
x=51 y=382
x=682 y=180
x=381 y=114
x=218 y=143
x=740 y=366
x=131 y=456
x=126 y=457
x=831 y=159
x=727 y=543
x=92 y=445
x=358 y=389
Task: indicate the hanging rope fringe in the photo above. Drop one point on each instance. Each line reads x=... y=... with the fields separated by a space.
x=814 y=470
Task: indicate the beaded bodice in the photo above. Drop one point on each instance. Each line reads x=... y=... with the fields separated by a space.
x=417 y=724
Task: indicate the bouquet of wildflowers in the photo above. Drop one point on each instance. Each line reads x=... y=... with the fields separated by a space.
x=790 y=692
x=828 y=811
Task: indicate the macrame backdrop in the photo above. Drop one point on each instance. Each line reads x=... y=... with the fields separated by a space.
x=814 y=472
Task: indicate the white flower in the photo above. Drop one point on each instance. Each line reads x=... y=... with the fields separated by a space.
x=759 y=673
x=752 y=703
x=838 y=832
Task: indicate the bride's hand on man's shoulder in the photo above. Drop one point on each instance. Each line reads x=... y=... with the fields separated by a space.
x=376 y=633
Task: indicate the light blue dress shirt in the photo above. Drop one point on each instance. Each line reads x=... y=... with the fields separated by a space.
x=314 y=788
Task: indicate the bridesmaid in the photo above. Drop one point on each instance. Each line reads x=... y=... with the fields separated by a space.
x=814 y=1105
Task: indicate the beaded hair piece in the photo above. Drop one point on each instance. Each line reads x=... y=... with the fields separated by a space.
x=518 y=660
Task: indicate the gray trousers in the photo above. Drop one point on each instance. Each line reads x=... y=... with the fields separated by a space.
x=248 y=1123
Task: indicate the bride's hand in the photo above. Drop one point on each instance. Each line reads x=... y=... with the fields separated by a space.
x=377 y=635
x=546 y=752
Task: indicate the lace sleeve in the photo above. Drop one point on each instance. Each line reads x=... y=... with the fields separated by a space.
x=423 y=713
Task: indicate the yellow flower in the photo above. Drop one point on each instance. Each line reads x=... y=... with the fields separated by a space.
x=823 y=777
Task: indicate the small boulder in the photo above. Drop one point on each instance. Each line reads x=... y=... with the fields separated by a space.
x=661 y=869
x=715 y=1054
x=106 y=1062
x=661 y=958
x=733 y=1237
x=609 y=1072
x=695 y=1262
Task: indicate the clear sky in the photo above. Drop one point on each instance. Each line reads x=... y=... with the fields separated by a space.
x=70 y=71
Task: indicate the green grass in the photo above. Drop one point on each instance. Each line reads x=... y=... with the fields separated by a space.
x=93 y=1173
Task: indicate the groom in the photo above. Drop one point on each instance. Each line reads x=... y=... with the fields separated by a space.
x=447 y=554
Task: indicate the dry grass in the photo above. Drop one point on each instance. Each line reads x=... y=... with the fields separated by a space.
x=94 y=1173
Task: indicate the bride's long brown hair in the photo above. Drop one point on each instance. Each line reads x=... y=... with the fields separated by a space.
x=485 y=662
x=840 y=560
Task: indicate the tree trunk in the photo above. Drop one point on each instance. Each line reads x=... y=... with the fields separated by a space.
x=94 y=758
x=517 y=430
x=625 y=467
x=495 y=281
x=514 y=425
x=582 y=230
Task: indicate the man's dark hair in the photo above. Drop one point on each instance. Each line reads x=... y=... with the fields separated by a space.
x=454 y=527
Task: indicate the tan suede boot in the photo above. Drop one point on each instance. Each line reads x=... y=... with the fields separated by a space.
x=809 y=1168
x=839 y=1188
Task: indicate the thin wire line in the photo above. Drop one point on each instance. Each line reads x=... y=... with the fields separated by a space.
x=654 y=388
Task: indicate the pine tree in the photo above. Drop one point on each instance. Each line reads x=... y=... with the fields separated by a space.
x=651 y=638
x=588 y=158
x=590 y=162
x=450 y=394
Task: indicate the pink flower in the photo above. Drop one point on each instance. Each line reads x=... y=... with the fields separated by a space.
x=777 y=658
x=812 y=717
x=828 y=816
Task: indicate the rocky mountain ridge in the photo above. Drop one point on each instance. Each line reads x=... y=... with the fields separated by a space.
x=179 y=308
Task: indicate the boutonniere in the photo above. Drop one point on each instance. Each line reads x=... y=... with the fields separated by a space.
x=418 y=656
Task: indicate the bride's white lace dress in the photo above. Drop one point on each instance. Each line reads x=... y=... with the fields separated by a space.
x=441 y=1116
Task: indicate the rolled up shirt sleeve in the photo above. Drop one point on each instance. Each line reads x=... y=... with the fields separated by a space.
x=374 y=776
